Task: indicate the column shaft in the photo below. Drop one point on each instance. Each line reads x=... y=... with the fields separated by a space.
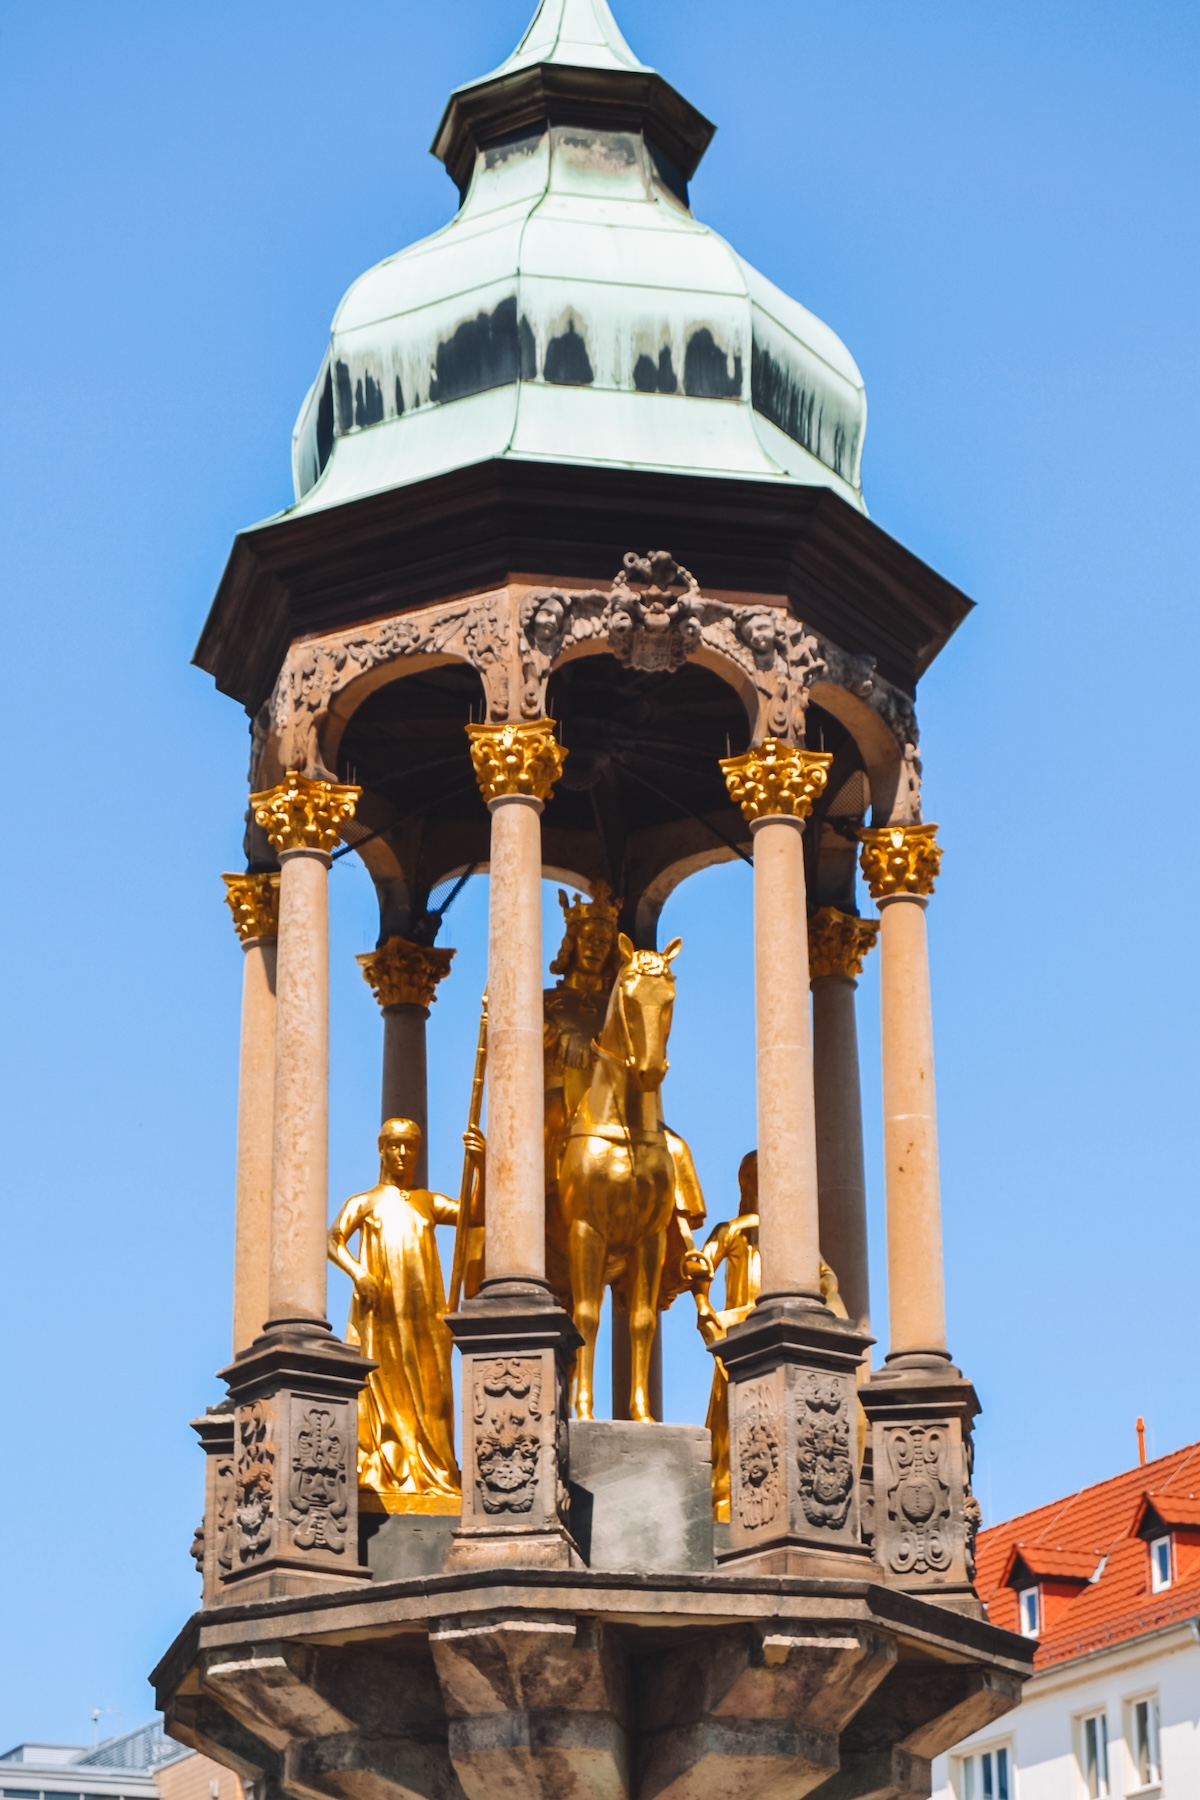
x=916 y=1288
x=516 y=1247
x=300 y=1158
x=255 y=1133
x=840 y=1176
x=789 y=1232
x=405 y=1078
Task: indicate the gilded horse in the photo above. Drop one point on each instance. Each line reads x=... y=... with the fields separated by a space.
x=616 y=1182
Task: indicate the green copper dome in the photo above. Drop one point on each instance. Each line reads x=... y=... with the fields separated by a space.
x=574 y=310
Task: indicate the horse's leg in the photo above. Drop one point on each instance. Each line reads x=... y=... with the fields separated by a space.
x=643 y=1318
x=589 y=1257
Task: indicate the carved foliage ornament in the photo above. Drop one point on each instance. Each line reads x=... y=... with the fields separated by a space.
x=254 y=902
x=838 y=942
x=776 y=780
x=254 y=1481
x=404 y=974
x=823 y=1456
x=756 y=1456
x=508 y=1433
x=654 y=617
x=303 y=814
x=900 y=859
x=918 y=1499
x=516 y=759
x=317 y=1488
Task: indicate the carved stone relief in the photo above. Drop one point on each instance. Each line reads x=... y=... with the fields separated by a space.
x=317 y=1488
x=823 y=1449
x=508 y=1433
x=918 y=1498
x=254 y=1482
x=858 y=675
x=756 y=1456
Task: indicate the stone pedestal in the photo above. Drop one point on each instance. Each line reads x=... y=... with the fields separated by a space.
x=294 y=1396
x=793 y=1478
x=924 y=1516
x=517 y=1346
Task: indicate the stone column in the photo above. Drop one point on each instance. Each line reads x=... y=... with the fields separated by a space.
x=403 y=978
x=295 y=1390
x=516 y=1343
x=792 y=1366
x=919 y=1405
x=837 y=945
x=254 y=902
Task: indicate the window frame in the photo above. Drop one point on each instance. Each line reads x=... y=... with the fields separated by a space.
x=1034 y=1595
x=1166 y=1541
x=966 y=1787
x=1151 y=1702
x=1096 y=1715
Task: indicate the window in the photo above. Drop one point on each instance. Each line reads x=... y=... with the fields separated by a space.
x=985 y=1777
x=1093 y=1745
x=1143 y=1743
x=1160 y=1564
x=1027 y=1601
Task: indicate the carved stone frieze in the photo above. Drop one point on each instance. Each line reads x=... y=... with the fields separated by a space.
x=917 y=1477
x=400 y=973
x=317 y=1487
x=859 y=676
x=254 y=1482
x=823 y=1449
x=754 y=1457
x=508 y=1433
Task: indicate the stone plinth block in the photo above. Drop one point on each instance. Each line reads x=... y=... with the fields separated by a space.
x=516 y=1346
x=793 y=1439
x=641 y=1495
x=752 y=1714
x=294 y=1395
x=536 y=1705
x=924 y=1516
x=916 y=1713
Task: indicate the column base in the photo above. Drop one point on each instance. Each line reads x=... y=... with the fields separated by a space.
x=517 y=1346
x=794 y=1489
x=924 y=1517
x=294 y=1395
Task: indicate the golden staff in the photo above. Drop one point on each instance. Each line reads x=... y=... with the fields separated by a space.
x=465 y=1192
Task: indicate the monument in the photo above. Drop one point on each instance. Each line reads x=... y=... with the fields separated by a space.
x=579 y=581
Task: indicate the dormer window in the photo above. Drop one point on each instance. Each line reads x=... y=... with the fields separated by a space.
x=1029 y=1605
x=1160 y=1564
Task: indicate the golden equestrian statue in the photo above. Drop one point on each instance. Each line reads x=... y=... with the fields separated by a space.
x=735 y=1243
x=406 y=1410
x=618 y=1178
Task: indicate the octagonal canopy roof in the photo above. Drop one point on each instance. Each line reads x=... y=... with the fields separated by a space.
x=575 y=311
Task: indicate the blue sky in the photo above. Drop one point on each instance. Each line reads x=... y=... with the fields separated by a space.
x=995 y=208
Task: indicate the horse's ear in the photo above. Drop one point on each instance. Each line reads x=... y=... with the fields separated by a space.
x=672 y=950
x=625 y=946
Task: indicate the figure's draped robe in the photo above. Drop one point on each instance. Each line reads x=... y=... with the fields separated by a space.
x=406 y=1410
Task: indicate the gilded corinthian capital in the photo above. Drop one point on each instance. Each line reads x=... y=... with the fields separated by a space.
x=254 y=902
x=776 y=780
x=404 y=974
x=900 y=859
x=303 y=814
x=516 y=759
x=839 y=942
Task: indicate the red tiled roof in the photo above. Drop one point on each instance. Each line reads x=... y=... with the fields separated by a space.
x=1175 y=1510
x=1097 y=1523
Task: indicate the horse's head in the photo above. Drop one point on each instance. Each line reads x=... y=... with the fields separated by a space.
x=638 y=1021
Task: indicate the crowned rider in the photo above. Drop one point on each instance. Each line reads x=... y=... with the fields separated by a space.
x=586 y=965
